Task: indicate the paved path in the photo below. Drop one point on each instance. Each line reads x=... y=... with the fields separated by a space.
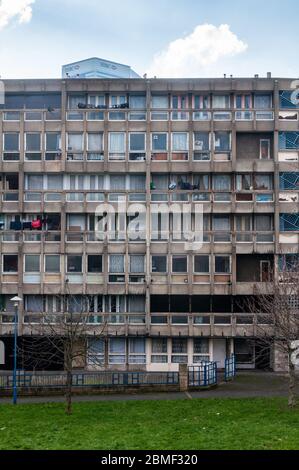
x=246 y=385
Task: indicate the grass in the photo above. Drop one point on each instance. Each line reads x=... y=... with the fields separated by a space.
x=196 y=424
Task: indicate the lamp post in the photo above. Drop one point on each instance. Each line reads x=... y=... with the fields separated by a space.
x=16 y=301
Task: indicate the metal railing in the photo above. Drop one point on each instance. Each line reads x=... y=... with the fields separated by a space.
x=203 y=375
x=88 y=379
x=230 y=368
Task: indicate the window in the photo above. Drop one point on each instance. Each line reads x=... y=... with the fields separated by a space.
x=159 y=264
x=94 y=263
x=263 y=101
x=289 y=262
x=34 y=182
x=201 y=102
x=10 y=263
x=117 y=150
x=11 y=146
x=201 y=350
x=32 y=263
x=94 y=142
x=243 y=101
x=137 y=101
x=74 y=263
x=201 y=182
x=287 y=101
x=33 y=142
x=179 y=350
x=159 y=350
x=243 y=182
x=137 y=146
x=159 y=142
x=160 y=101
x=220 y=101
x=179 y=141
x=96 y=351
x=263 y=223
x=179 y=264
x=222 y=264
x=53 y=146
x=201 y=264
x=118 y=100
x=289 y=181
x=137 y=182
x=289 y=222
x=263 y=182
x=117 y=350
x=136 y=264
x=34 y=303
x=265 y=149
x=222 y=141
x=221 y=182
x=75 y=146
x=52 y=263
x=288 y=140
x=137 y=351
x=201 y=141
x=221 y=222
x=116 y=264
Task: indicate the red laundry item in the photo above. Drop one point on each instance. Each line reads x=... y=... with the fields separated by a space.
x=36 y=224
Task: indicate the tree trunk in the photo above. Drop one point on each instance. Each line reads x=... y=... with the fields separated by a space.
x=68 y=392
x=292 y=383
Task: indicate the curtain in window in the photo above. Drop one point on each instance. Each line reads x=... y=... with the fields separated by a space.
x=117 y=345
x=116 y=264
x=222 y=182
x=160 y=181
x=118 y=99
x=75 y=142
x=55 y=182
x=179 y=141
x=262 y=101
x=34 y=303
x=220 y=101
x=201 y=141
x=160 y=101
x=137 y=345
x=137 y=264
x=222 y=141
x=263 y=182
x=117 y=182
x=136 y=304
x=137 y=102
x=96 y=100
x=263 y=223
x=35 y=182
x=96 y=182
x=221 y=223
x=137 y=182
x=95 y=142
x=117 y=142
x=74 y=100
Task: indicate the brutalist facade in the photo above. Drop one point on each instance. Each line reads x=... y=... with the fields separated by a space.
x=229 y=146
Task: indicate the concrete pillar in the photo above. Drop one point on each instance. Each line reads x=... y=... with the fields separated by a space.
x=183 y=377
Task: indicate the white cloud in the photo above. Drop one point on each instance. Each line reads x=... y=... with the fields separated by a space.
x=194 y=54
x=20 y=10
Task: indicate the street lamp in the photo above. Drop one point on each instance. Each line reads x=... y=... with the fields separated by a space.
x=16 y=301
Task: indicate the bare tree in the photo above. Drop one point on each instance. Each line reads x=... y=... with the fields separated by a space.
x=64 y=338
x=277 y=309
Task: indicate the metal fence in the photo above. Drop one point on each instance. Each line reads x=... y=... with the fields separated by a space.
x=88 y=379
x=203 y=375
x=230 y=368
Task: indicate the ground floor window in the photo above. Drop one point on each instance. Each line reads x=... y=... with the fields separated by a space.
x=179 y=351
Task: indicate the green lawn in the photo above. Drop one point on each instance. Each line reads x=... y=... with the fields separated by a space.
x=151 y=425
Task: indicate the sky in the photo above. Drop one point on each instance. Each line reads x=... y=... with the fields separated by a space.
x=163 y=38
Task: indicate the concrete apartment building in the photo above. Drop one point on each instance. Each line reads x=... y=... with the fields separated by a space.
x=230 y=145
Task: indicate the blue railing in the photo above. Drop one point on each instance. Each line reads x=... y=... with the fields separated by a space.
x=230 y=368
x=88 y=379
x=203 y=375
